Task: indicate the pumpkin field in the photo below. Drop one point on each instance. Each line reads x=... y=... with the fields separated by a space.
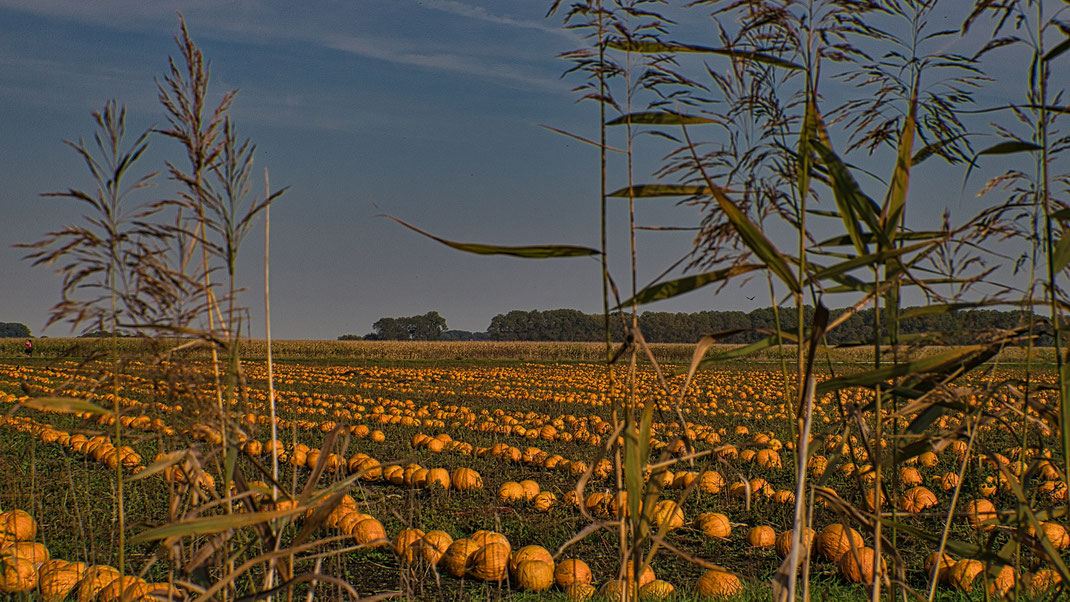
x=476 y=480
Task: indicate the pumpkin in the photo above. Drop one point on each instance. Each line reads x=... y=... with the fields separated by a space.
x=943 y=573
x=543 y=501
x=662 y=478
x=646 y=574
x=597 y=504
x=439 y=477
x=768 y=458
x=656 y=590
x=483 y=538
x=162 y=591
x=964 y=572
x=490 y=562
x=761 y=487
x=978 y=512
x=434 y=546
x=510 y=492
x=572 y=498
x=127 y=587
x=1003 y=583
x=35 y=552
x=532 y=552
x=783 y=496
x=466 y=479
x=718 y=583
x=714 y=524
x=534 y=575
x=417 y=478
x=785 y=540
x=1055 y=533
x=578 y=592
x=96 y=577
x=948 y=481
x=17 y=525
x=455 y=560
x=369 y=532
x=739 y=490
x=858 y=565
x=928 y=459
x=531 y=488
x=1043 y=581
x=17 y=575
x=711 y=481
x=910 y=477
x=835 y=540
x=572 y=571
x=349 y=520
x=368 y=468
x=395 y=475
x=57 y=578
x=613 y=590
x=873 y=499
x=917 y=499
x=959 y=448
x=684 y=479
x=817 y=466
x=407 y=544
x=668 y=512
x=761 y=536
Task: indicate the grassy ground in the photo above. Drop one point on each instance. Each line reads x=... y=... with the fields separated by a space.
x=73 y=497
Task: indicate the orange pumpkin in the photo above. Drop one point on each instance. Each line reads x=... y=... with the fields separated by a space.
x=718 y=583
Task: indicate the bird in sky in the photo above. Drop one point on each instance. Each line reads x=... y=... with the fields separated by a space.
x=750 y=298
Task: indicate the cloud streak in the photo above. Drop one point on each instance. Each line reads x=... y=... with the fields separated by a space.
x=403 y=54
x=479 y=13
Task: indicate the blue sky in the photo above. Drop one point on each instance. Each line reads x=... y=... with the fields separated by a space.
x=428 y=110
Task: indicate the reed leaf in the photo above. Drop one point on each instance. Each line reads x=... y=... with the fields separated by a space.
x=925 y=365
x=212 y=524
x=63 y=405
x=686 y=284
x=660 y=118
x=1061 y=255
x=870 y=259
x=649 y=191
x=526 y=252
x=751 y=235
x=1007 y=147
x=659 y=47
x=855 y=207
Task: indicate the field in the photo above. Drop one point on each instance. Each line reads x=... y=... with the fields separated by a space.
x=393 y=436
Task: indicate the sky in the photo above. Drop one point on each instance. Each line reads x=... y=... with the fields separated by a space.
x=429 y=110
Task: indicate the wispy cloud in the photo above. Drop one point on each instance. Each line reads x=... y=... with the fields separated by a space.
x=404 y=53
x=482 y=14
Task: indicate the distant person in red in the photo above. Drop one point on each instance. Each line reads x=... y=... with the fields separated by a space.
x=28 y=348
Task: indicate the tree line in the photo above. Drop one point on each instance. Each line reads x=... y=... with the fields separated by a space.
x=954 y=328
x=13 y=330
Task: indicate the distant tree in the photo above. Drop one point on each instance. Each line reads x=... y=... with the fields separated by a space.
x=14 y=330
x=428 y=327
x=350 y=337
x=954 y=328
